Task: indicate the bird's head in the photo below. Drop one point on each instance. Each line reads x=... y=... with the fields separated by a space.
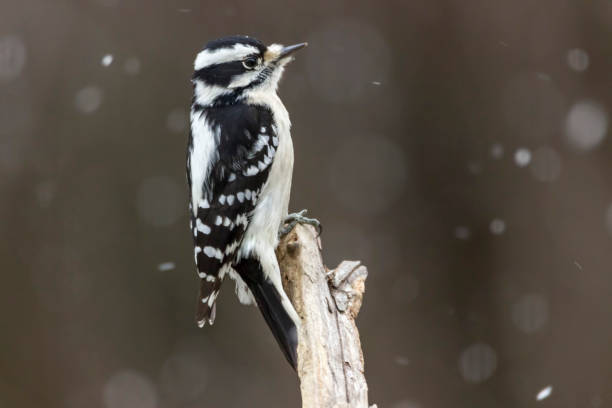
x=229 y=68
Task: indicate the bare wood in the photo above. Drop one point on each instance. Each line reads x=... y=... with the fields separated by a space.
x=330 y=360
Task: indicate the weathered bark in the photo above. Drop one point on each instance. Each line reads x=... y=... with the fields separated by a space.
x=330 y=360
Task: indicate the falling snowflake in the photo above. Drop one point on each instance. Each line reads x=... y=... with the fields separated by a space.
x=107 y=60
x=544 y=393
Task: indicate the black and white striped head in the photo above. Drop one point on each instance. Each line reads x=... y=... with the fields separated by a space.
x=228 y=68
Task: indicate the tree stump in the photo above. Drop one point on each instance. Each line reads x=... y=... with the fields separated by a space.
x=330 y=360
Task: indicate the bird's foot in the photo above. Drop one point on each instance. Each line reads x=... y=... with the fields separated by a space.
x=298 y=218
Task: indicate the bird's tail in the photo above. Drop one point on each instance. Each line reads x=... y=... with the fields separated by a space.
x=274 y=306
x=207 y=296
x=273 y=310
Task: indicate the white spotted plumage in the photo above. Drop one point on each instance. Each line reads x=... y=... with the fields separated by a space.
x=201 y=227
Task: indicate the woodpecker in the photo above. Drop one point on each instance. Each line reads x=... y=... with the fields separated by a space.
x=239 y=168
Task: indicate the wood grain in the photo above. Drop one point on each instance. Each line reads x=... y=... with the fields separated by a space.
x=330 y=360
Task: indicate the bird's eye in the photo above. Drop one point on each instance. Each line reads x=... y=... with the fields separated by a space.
x=250 y=63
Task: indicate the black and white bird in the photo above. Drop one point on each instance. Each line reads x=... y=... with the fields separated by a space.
x=239 y=168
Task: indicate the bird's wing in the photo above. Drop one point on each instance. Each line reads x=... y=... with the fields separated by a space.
x=245 y=147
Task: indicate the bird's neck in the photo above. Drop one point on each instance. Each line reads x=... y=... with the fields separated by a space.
x=206 y=96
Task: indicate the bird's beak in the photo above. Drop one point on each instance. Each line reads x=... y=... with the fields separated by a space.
x=286 y=51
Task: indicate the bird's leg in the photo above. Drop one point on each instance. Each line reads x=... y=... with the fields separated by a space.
x=298 y=218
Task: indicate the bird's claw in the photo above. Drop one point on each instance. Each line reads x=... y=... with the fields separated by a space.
x=298 y=218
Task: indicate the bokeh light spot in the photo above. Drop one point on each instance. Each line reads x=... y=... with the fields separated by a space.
x=530 y=313
x=12 y=56
x=497 y=226
x=462 y=232
x=402 y=361
x=474 y=167
x=129 y=389
x=497 y=151
x=586 y=125
x=477 y=363
x=522 y=157
x=107 y=60
x=578 y=59
x=88 y=99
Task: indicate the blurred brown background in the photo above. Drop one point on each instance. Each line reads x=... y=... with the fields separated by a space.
x=460 y=149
